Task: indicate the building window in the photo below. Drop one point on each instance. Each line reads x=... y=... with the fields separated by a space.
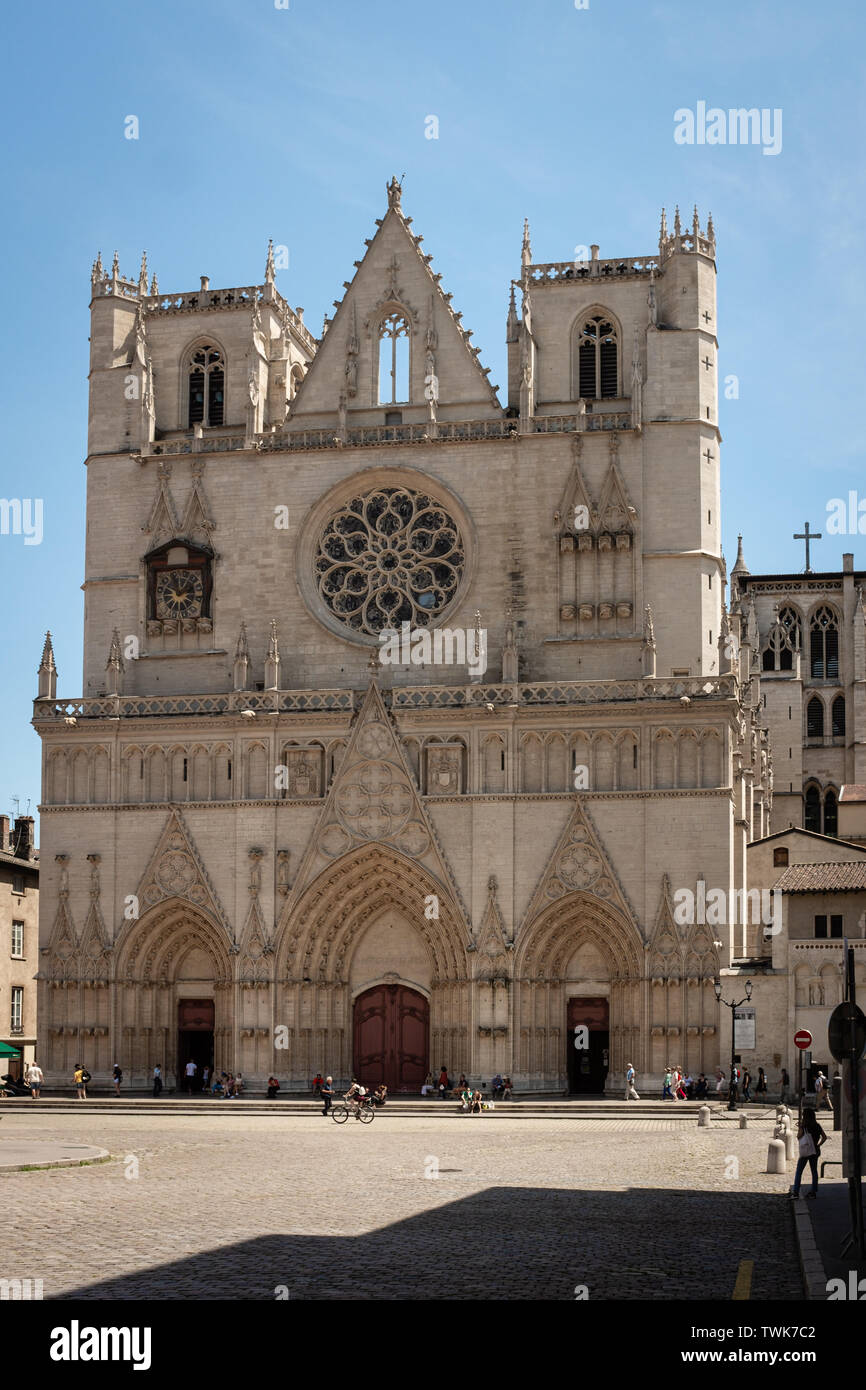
x=836 y=926
x=597 y=359
x=780 y=858
x=813 y=810
x=17 y=1011
x=18 y=939
x=207 y=383
x=815 y=718
x=824 y=645
x=831 y=814
x=821 y=925
x=838 y=716
x=394 y=359
x=18 y=884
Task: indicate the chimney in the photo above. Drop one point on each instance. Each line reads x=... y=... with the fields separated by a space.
x=4 y=833
x=848 y=564
x=23 y=835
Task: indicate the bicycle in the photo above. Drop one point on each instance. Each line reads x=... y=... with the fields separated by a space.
x=363 y=1108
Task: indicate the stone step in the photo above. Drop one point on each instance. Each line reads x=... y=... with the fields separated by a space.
x=527 y=1106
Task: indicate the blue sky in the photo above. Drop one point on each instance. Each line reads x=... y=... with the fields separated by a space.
x=260 y=122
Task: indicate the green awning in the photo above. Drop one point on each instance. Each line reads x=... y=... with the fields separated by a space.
x=7 y=1051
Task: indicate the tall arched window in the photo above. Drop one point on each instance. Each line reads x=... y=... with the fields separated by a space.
x=394 y=359
x=815 y=718
x=831 y=813
x=812 y=819
x=207 y=384
x=824 y=645
x=597 y=370
x=838 y=716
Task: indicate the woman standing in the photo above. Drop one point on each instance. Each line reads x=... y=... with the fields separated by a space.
x=811 y=1137
x=117 y=1077
x=761 y=1084
x=747 y=1085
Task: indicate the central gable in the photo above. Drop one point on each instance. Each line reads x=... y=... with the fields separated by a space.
x=396 y=296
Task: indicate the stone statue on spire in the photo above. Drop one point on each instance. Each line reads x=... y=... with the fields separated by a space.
x=394 y=190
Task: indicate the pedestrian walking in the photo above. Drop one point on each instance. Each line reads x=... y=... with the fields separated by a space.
x=117 y=1077
x=189 y=1072
x=157 y=1080
x=205 y=1078
x=747 y=1085
x=761 y=1084
x=630 y=1092
x=34 y=1079
x=82 y=1076
x=326 y=1091
x=720 y=1081
x=784 y=1087
x=822 y=1096
x=666 y=1089
x=811 y=1137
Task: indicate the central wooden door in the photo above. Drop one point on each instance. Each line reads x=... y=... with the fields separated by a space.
x=392 y=1038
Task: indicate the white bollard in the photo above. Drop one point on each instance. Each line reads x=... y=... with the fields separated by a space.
x=791 y=1145
x=744 y=1122
x=704 y=1117
x=776 y=1157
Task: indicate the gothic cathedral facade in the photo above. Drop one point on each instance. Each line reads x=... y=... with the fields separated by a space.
x=406 y=713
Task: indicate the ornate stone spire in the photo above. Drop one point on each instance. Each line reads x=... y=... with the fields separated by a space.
x=272 y=660
x=270 y=269
x=47 y=672
x=696 y=225
x=142 y=275
x=740 y=566
x=678 y=230
x=526 y=251
x=97 y=274
x=154 y=286
x=663 y=229
x=242 y=660
x=711 y=231
x=511 y=326
x=115 y=274
x=114 y=666
x=636 y=383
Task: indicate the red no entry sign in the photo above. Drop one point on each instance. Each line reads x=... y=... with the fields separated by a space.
x=803 y=1039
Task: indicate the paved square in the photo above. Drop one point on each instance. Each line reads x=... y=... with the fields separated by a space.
x=228 y=1205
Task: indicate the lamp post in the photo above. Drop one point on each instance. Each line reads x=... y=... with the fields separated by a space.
x=732 y=1089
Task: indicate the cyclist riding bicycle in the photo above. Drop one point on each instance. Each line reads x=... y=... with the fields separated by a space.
x=355 y=1093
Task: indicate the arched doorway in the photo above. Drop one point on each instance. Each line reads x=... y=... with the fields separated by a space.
x=391 y=1031
x=588 y=1053
x=195 y=1030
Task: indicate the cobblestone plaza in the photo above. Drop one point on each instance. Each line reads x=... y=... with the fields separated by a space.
x=259 y=1207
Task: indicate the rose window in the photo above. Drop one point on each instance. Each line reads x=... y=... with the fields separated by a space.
x=389 y=557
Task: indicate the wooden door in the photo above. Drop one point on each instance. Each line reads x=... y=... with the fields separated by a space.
x=392 y=1037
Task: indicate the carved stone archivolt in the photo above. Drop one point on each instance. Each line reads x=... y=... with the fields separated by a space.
x=176 y=870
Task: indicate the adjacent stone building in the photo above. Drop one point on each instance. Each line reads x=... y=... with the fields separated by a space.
x=19 y=934
x=406 y=713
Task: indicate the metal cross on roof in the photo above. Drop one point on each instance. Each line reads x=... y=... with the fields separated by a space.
x=808 y=536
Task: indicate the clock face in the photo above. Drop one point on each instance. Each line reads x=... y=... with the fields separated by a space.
x=178 y=594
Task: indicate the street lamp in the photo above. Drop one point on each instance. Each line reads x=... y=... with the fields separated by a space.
x=732 y=1088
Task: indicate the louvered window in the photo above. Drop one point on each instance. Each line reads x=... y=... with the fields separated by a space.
x=839 y=716
x=206 y=387
x=598 y=375
x=824 y=645
x=812 y=819
x=815 y=719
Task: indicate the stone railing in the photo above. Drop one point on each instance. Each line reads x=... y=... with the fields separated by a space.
x=379 y=436
x=400 y=698
x=687 y=241
x=240 y=297
x=562 y=692
x=592 y=270
x=156 y=706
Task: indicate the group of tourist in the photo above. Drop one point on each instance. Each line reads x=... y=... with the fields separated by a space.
x=501 y=1086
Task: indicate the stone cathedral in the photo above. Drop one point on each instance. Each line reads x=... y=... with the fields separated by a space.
x=267 y=847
